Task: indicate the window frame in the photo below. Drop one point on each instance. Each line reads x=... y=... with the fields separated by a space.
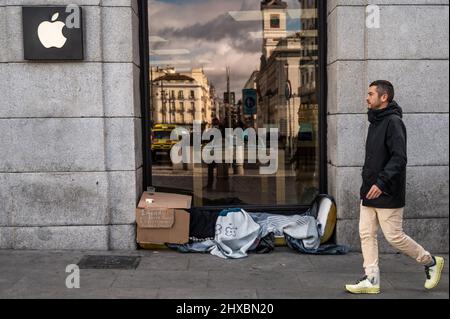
x=145 y=92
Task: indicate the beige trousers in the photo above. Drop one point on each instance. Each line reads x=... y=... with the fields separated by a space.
x=391 y=222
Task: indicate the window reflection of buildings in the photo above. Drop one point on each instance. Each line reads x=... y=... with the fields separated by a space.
x=291 y=57
x=215 y=103
x=170 y=89
x=309 y=108
x=279 y=62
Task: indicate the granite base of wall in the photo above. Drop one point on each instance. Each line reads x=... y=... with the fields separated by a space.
x=431 y=233
x=115 y=237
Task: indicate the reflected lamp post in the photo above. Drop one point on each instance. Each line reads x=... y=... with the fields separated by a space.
x=288 y=96
x=163 y=102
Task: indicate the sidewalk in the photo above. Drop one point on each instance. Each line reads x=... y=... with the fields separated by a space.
x=282 y=274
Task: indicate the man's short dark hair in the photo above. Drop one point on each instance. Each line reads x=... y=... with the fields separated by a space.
x=384 y=87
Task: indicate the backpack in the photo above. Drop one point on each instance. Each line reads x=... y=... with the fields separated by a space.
x=324 y=210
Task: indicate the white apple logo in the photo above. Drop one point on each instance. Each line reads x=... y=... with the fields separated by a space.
x=50 y=33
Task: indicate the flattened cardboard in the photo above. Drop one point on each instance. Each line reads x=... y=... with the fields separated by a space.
x=166 y=200
x=178 y=234
x=163 y=219
x=155 y=218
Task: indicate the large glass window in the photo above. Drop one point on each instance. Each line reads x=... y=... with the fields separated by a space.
x=265 y=55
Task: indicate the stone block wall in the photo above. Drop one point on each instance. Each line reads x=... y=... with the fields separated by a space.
x=70 y=134
x=411 y=49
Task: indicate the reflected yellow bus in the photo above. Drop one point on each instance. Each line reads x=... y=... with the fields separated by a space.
x=161 y=142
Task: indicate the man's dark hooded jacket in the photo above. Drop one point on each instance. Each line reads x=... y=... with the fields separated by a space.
x=386 y=158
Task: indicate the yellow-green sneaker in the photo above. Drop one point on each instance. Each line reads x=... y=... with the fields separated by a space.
x=364 y=286
x=434 y=273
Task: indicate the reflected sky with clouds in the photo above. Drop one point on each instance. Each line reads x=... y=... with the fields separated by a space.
x=202 y=33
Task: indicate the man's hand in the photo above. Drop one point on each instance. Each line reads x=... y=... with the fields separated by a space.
x=374 y=193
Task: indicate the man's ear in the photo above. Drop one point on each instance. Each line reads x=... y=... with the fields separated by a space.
x=384 y=98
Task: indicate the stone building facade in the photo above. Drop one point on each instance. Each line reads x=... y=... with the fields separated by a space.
x=181 y=98
x=71 y=166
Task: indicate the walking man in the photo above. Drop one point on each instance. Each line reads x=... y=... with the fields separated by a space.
x=383 y=192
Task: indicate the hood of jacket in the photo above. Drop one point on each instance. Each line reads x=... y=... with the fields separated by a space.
x=378 y=115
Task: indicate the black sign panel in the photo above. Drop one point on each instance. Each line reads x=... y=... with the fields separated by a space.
x=53 y=33
x=250 y=101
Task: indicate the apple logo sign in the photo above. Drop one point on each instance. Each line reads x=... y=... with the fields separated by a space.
x=50 y=33
x=53 y=33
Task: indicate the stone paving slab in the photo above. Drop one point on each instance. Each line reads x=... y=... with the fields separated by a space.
x=168 y=262
x=85 y=293
x=286 y=261
x=282 y=274
x=250 y=279
x=162 y=279
x=208 y=293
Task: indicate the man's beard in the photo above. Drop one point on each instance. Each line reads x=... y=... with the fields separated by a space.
x=375 y=106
